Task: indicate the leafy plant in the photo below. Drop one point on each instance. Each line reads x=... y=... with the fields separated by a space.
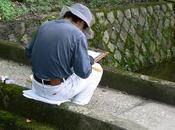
x=46 y=5
x=9 y=11
x=105 y=3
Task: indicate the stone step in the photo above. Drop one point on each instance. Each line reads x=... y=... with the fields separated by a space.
x=108 y=109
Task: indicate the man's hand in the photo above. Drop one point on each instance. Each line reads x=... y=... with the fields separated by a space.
x=91 y=60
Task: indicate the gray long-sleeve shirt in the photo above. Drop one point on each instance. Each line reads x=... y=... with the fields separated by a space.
x=59 y=49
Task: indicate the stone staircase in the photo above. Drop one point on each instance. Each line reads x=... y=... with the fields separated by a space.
x=118 y=109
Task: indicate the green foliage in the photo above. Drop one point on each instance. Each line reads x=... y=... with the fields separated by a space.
x=9 y=11
x=45 y=5
x=105 y=3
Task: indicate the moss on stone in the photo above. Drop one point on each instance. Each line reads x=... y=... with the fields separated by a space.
x=13 y=51
x=137 y=84
x=11 y=121
x=59 y=117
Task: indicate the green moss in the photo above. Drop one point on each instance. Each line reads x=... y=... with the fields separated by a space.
x=13 y=51
x=57 y=116
x=127 y=6
x=12 y=121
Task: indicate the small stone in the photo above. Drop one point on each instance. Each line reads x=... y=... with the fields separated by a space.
x=152 y=48
x=135 y=11
x=170 y=6
x=134 y=22
x=28 y=121
x=127 y=53
x=173 y=50
x=12 y=38
x=141 y=59
x=110 y=17
x=144 y=11
x=166 y=23
x=132 y=31
x=123 y=35
x=25 y=39
x=143 y=48
x=156 y=57
x=128 y=13
x=120 y=16
x=141 y=20
x=113 y=35
x=164 y=7
x=136 y=51
x=93 y=20
x=111 y=47
x=106 y=36
x=137 y=40
x=100 y=16
x=126 y=24
x=120 y=44
x=117 y=55
x=156 y=9
x=150 y=10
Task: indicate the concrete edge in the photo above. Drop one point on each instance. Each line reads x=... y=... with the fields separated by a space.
x=141 y=85
x=62 y=117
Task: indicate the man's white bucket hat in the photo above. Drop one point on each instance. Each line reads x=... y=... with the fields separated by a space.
x=82 y=12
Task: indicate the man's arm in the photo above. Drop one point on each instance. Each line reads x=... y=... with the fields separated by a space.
x=29 y=47
x=81 y=60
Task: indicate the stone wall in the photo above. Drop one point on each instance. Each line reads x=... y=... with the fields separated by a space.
x=136 y=36
x=21 y=30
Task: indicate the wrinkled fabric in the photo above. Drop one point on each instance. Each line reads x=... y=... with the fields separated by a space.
x=73 y=89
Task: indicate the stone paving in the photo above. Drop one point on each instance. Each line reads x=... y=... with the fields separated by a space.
x=108 y=104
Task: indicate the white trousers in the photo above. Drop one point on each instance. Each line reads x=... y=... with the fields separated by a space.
x=75 y=89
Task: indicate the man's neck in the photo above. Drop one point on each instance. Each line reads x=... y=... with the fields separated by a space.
x=76 y=24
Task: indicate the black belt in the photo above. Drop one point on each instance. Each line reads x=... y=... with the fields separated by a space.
x=51 y=82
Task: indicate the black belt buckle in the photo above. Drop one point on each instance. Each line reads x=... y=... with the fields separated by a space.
x=52 y=82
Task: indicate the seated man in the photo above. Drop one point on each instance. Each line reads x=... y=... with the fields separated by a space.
x=62 y=68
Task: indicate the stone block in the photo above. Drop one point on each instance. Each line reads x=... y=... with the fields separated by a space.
x=164 y=7
x=150 y=10
x=143 y=11
x=111 y=47
x=128 y=13
x=110 y=17
x=126 y=24
x=106 y=37
x=170 y=6
x=120 y=44
x=120 y=16
x=12 y=38
x=100 y=17
x=123 y=35
x=135 y=11
x=117 y=55
x=20 y=28
x=141 y=20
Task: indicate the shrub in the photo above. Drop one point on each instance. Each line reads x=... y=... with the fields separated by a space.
x=45 y=5
x=9 y=11
x=105 y=3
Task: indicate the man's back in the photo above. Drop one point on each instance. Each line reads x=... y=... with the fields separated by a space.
x=58 y=47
